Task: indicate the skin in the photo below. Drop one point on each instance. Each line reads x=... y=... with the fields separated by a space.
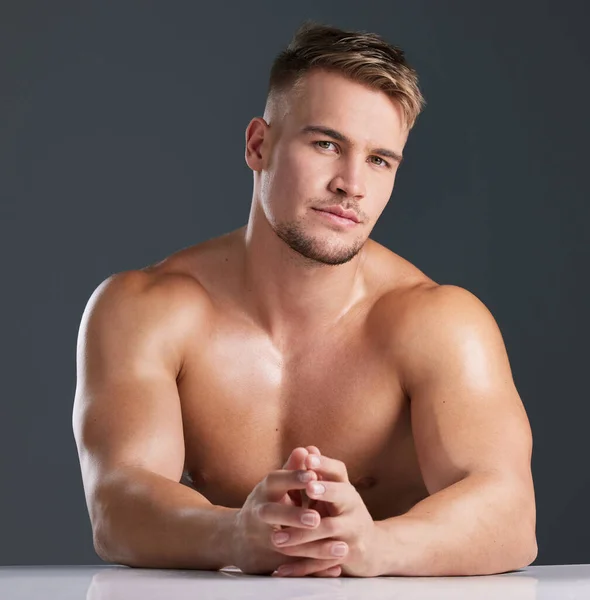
x=294 y=332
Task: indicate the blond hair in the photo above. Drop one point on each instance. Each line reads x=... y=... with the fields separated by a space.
x=358 y=55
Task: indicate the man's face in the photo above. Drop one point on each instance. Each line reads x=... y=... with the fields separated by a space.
x=307 y=170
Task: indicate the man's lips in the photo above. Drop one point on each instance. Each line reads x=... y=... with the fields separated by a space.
x=340 y=212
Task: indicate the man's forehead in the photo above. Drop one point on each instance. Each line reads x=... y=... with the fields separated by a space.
x=362 y=115
x=350 y=129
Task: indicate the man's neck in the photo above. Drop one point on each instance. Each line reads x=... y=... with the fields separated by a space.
x=290 y=295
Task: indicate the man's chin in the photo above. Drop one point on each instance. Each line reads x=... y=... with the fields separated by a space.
x=316 y=247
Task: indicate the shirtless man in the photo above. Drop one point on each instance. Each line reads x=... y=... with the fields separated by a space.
x=206 y=382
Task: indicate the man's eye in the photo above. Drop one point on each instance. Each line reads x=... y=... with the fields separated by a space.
x=382 y=163
x=324 y=142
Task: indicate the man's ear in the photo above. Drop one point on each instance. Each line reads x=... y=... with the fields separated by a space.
x=256 y=132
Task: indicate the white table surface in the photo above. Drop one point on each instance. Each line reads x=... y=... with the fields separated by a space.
x=107 y=582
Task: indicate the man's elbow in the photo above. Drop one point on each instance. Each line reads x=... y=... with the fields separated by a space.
x=524 y=521
x=519 y=549
x=528 y=541
x=106 y=547
x=508 y=558
x=532 y=548
x=100 y=549
x=531 y=554
x=101 y=542
x=107 y=552
x=525 y=552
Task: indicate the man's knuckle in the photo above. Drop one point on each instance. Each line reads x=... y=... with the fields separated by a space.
x=331 y=526
x=286 y=550
x=263 y=510
x=295 y=537
x=316 y=565
x=307 y=566
x=271 y=479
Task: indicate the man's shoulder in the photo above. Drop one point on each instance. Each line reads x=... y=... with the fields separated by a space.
x=164 y=284
x=165 y=300
x=196 y=269
x=427 y=317
x=395 y=282
x=423 y=305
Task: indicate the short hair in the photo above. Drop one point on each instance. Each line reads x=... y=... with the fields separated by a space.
x=358 y=55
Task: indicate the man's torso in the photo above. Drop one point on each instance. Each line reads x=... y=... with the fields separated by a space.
x=246 y=404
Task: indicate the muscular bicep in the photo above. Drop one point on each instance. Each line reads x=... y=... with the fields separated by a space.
x=126 y=408
x=467 y=416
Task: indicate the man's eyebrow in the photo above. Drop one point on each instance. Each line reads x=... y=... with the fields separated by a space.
x=336 y=135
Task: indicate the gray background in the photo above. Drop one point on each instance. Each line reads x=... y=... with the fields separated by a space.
x=122 y=140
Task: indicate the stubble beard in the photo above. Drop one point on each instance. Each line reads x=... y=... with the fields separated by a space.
x=313 y=249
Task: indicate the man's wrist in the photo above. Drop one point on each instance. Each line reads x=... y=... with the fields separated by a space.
x=228 y=519
x=384 y=548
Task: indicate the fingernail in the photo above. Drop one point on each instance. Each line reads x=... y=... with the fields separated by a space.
x=285 y=570
x=317 y=488
x=308 y=519
x=305 y=476
x=281 y=537
x=314 y=461
x=339 y=550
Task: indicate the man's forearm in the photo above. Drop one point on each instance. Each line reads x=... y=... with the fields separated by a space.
x=145 y=520
x=478 y=526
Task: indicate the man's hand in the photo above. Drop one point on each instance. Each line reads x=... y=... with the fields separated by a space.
x=272 y=504
x=297 y=460
x=348 y=521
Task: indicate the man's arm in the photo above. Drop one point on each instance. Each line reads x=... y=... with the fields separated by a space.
x=473 y=441
x=128 y=428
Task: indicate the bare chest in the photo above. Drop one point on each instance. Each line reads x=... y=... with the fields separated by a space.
x=246 y=407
